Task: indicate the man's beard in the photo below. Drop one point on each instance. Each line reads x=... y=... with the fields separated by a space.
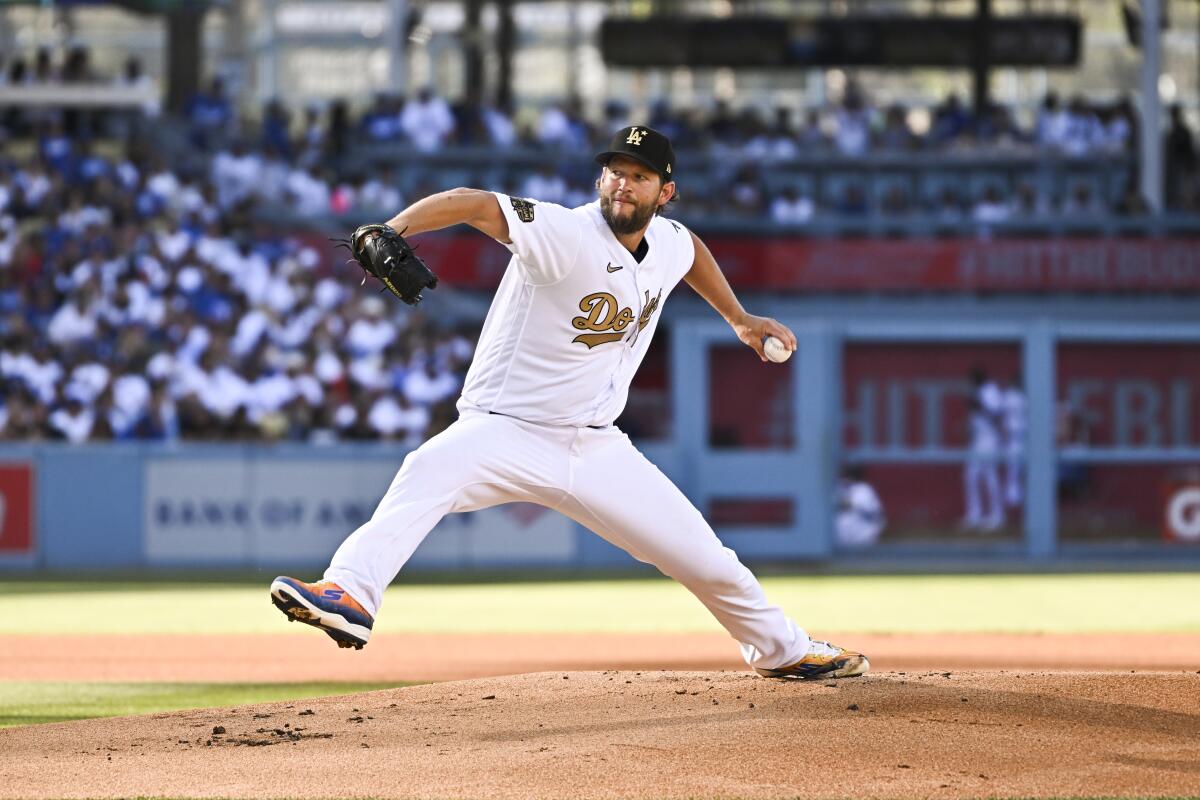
x=639 y=219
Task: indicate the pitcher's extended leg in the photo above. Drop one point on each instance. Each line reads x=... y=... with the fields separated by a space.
x=619 y=494
x=480 y=461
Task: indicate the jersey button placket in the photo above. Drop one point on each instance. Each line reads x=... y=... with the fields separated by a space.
x=619 y=367
x=637 y=299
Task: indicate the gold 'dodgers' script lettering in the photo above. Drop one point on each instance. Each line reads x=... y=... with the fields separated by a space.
x=603 y=314
x=608 y=321
x=649 y=309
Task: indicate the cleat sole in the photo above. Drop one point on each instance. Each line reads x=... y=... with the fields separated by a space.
x=296 y=611
x=848 y=668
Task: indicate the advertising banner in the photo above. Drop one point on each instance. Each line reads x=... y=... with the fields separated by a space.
x=946 y=265
x=1129 y=395
x=1181 y=515
x=283 y=513
x=1025 y=265
x=197 y=511
x=302 y=510
x=16 y=510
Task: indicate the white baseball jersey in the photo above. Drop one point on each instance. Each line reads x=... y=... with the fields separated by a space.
x=573 y=316
x=983 y=421
x=1013 y=406
x=570 y=323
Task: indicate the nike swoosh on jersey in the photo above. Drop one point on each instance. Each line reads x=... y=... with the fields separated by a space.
x=611 y=268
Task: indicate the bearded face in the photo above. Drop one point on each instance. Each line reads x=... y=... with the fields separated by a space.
x=625 y=214
x=630 y=193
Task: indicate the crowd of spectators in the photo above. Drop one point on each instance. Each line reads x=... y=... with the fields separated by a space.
x=142 y=98
x=753 y=168
x=309 y=159
x=43 y=67
x=143 y=296
x=138 y=303
x=757 y=163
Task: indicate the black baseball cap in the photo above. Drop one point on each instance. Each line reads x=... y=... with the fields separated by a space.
x=646 y=145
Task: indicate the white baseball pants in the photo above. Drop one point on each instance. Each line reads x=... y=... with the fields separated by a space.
x=988 y=512
x=594 y=476
x=1014 y=483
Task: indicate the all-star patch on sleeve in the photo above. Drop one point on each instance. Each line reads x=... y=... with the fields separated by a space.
x=545 y=238
x=524 y=209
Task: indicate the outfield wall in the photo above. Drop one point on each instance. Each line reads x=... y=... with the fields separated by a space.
x=877 y=383
x=129 y=506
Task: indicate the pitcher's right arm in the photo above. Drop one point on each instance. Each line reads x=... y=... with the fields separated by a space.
x=475 y=207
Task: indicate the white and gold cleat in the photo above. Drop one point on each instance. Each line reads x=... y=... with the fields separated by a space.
x=823 y=660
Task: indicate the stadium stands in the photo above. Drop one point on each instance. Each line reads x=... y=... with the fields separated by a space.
x=147 y=292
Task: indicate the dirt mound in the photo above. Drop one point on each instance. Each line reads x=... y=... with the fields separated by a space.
x=649 y=734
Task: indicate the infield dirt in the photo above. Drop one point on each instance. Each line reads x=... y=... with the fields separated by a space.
x=953 y=716
x=409 y=657
x=661 y=734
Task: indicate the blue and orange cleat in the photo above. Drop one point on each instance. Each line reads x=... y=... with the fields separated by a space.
x=324 y=605
x=823 y=660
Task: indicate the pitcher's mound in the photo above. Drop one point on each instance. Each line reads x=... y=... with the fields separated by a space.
x=649 y=735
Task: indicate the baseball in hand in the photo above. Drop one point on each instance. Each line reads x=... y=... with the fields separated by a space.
x=776 y=350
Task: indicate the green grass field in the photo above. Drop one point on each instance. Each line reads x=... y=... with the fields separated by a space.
x=1073 y=603
x=27 y=703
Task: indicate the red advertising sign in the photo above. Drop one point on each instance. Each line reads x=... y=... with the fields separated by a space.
x=915 y=396
x=472 y=261
x=1116 y=394
x=16 y=509
x=957 y=265
x=1181 y=513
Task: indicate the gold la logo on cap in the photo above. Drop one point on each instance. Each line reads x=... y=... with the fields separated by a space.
x=635 y=137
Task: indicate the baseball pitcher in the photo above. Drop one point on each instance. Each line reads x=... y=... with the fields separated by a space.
x=569 y=325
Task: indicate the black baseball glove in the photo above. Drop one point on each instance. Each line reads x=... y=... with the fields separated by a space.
x=386 y=255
